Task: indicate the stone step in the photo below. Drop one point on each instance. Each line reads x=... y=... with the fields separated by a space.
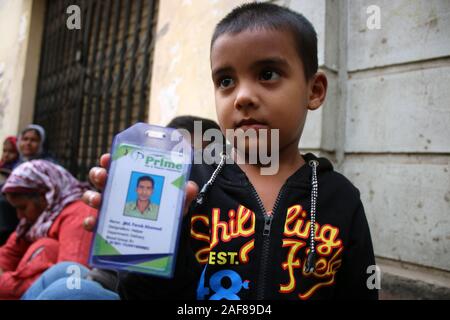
x=404 y=281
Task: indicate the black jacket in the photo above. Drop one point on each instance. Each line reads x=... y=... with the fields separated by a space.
x=232 y=249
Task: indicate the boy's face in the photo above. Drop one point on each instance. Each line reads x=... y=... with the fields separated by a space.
x=260 y=84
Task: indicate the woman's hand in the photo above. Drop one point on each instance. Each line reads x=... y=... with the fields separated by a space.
x=98 y=176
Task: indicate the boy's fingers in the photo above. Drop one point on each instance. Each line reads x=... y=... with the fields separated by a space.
x=104 y=160
x=98 y=177
x=89 y=223
x=191 y=192
x=92 y=199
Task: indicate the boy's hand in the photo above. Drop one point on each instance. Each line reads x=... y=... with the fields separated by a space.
x=98 y=176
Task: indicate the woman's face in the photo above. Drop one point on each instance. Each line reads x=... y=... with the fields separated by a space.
x=26 y=207
x=9 y=152
x=29 y=143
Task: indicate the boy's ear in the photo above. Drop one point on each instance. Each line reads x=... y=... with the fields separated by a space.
x=318 y=90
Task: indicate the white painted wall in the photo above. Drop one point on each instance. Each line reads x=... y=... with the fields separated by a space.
x=14 y=19
x=407 y=201
x=397 y=127
x=21 y=25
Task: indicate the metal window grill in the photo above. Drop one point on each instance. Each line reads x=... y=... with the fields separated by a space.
x=93 y=82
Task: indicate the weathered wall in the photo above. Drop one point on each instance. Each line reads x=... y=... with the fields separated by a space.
x=397 y=133
x=21 y=25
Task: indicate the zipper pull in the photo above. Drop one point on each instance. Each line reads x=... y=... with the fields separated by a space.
x=267 y=225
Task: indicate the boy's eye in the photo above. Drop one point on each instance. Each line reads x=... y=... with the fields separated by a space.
x=269 y=75
x=225 y=83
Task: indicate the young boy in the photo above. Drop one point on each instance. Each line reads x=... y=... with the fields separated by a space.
x=299 y=234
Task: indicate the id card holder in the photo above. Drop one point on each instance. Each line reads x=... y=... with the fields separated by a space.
x=141 y=211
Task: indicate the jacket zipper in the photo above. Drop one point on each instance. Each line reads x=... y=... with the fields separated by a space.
x=261 y=286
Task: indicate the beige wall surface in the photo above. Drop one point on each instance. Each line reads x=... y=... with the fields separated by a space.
x=21 y=25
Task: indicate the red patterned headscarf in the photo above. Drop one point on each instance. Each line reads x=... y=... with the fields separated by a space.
x=13 y=141
x=59 y=186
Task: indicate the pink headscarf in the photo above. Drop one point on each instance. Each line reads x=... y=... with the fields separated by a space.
x=60 y=188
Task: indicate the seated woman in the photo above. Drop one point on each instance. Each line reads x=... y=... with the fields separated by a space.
x=47 y=200
x=31 y=144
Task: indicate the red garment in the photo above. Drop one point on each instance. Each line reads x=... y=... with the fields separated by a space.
x=23 y=262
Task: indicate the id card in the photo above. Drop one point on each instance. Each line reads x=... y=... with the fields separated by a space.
x=141 y=211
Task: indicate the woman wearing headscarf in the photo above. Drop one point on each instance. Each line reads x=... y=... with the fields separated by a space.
x=31 y=144
x=47 y=200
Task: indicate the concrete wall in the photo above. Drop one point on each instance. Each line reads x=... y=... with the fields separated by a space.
x=21 y=25
x=386 y=119
x=397 y=133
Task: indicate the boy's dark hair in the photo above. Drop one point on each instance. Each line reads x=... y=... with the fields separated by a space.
x=187 y=122
x=255 y=15
x=145 y=178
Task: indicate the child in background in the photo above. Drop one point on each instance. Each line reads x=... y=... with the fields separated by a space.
x=9 y=159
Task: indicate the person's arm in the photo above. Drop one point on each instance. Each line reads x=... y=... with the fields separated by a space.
x=11 y=253
x=74 y=240
x=352 y=278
